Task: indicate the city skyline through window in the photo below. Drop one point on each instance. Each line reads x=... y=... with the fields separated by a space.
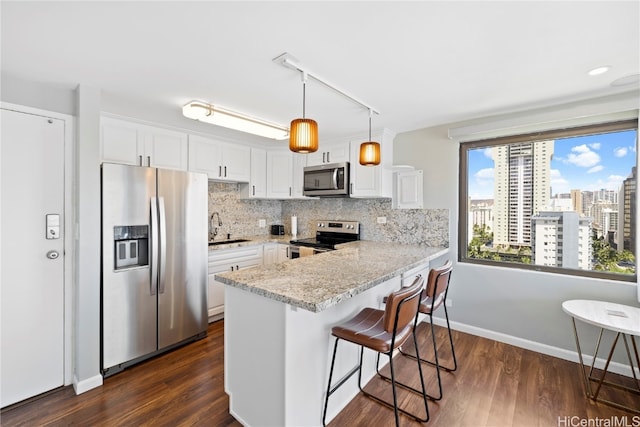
x=556 y=200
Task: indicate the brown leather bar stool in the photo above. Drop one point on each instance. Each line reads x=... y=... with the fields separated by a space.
x=382 y=331
x=433 y=297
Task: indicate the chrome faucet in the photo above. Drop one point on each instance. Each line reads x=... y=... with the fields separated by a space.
x=213 y=229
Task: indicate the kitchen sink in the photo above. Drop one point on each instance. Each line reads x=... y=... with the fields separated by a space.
x=224 y=242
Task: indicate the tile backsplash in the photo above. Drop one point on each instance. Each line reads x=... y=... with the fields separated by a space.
x=240 y=217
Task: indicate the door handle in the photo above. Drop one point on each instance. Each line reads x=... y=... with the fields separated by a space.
x=154 y=245
x=162 y=238
x=53 y=254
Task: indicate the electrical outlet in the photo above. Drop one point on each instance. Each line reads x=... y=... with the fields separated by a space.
x=449 y=303
x=262 y=223
x=382 y=220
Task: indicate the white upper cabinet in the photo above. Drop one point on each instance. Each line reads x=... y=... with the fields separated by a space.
x=297 y=179
x=279 y=174
x=132 y=143
x=257 y=186
x=373 y=181
x=331 y=153
x=221 y=161
x=408 y=192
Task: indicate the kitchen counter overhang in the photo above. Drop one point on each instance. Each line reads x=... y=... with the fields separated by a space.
x=318 y=282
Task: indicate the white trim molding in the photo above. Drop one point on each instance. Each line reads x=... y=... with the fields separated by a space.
x=617 y=107
x=561 y=353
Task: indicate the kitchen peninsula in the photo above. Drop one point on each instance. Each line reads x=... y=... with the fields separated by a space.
x=278 y=321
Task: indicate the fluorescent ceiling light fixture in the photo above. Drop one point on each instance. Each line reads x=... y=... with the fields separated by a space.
x=599 y=70
x=215 y=115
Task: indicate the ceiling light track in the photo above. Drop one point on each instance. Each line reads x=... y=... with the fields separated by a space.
x=288 y=61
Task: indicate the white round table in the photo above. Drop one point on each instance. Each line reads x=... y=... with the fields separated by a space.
x=624 y=321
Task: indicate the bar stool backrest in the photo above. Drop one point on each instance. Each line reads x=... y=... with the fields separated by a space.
x=403 y=305
x=438 y=282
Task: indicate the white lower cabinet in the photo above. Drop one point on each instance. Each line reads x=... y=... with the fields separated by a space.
x=409 y=276
x=224 y=260
x=275 y=253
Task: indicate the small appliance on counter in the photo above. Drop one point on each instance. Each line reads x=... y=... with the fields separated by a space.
x=277 y=230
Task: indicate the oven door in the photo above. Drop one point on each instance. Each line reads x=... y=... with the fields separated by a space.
x=294 y=251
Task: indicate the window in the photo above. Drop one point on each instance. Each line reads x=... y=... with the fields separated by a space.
x=573 y=189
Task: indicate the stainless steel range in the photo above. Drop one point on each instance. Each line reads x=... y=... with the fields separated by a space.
x=328 y=234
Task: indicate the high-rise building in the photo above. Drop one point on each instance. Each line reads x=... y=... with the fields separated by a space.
x=627 y=213
x=522 y=185
x=561 y=239
x=576 y=202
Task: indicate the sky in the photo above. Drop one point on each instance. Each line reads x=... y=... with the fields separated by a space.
x=587 y=163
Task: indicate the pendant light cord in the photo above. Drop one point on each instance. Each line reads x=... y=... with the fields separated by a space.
x=304 y=87
x=304 y=92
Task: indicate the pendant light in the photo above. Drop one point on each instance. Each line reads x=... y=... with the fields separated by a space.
x=370 y=150
x=303 y=135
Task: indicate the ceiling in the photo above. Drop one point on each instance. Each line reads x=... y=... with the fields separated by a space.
x=419 y=63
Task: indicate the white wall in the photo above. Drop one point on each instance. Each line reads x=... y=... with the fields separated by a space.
x=517 y=306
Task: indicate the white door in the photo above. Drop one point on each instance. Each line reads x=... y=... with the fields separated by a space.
x=31 y=282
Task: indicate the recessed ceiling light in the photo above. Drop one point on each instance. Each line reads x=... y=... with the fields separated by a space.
x=599 y=70
x=632 y=79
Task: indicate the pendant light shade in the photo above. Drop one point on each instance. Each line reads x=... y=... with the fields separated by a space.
x=370 y=150
x=370 y=153
x=303 y=135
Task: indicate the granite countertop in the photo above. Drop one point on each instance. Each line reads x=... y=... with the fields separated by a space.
x=318 y=282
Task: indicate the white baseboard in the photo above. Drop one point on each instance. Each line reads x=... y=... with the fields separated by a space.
x=561 y=353
x=86 y=385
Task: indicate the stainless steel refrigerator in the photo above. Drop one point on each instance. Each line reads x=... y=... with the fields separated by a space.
x=154 y=262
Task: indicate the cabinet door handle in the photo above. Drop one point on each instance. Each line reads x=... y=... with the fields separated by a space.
x=351 y=188
x=323 y=157
x=149 y=161
x=328 y=161
x=254 y=190
x=225 y=171
x=289 y=191
x=237 y=268
x=140 y=160
x=219 y=171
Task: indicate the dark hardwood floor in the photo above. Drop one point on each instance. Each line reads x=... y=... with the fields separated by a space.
x=495 y=385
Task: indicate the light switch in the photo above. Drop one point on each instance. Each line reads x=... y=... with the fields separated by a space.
x=53 y=226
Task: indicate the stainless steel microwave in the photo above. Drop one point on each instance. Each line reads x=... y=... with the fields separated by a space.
x=328 y=180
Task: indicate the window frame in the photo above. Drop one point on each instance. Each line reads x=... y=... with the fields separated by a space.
x=463 y=181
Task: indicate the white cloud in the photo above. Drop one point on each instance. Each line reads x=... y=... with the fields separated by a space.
x=483 y=174
x=584 y=158
x=595 y=169
x=487 y=153
x=558 y=183
x=620 y=151
x=612 y=182
x=595 y=145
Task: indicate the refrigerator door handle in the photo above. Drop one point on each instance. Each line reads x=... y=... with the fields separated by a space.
x=154 y=245
x=163 y=243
